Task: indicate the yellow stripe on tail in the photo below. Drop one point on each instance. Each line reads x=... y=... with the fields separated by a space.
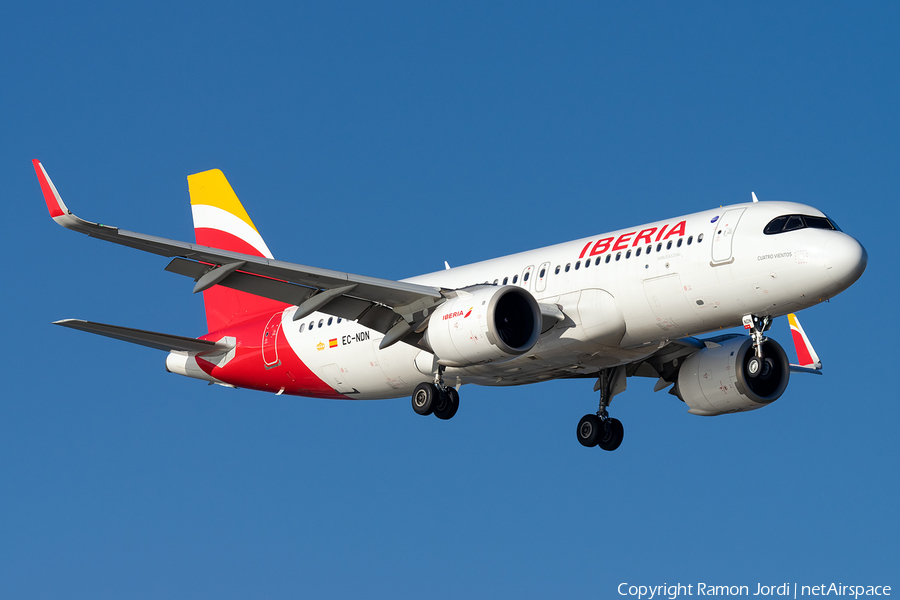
x=211 y=188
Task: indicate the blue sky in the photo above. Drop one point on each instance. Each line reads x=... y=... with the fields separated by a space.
x=383 y=140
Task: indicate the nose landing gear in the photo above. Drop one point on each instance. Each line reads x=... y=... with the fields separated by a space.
x=758 y=365
x=600 y=429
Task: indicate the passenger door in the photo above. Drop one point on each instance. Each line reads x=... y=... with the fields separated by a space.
x=724 y=236
x=525 y=282
x=270 y=341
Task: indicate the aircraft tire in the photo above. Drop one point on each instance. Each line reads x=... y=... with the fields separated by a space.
x=424 y=398
x=588 y=432
x=612 y=435
x=447 y=404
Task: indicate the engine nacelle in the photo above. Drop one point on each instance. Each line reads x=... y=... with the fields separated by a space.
x=715 y=381
x=487 y=324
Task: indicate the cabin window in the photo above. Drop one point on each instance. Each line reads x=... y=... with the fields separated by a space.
x=587 y=263
x=597 y=262
x=618 y=255
x=690 y=239
x=525 y=277
x=557 y=269
x=699 y=238
x=321 y=321
x=637 y=252
x=669 y=245
x=659 y=247
x=649 y=248
x=302 y=327
x=330 y=319
x=515 y=278
x=505 y=280
x=608 y=256
x=543 y=271
x=577 y=265
x=339 y=320
x=679 y=242
x=628 y=254
x=312 y=324
x=568 y=266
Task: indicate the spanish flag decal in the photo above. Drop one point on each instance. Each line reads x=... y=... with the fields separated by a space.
x=332 y=343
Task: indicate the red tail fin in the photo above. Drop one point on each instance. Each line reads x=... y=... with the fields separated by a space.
x=220 y=221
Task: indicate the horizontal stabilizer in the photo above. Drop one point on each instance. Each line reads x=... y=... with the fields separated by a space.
x=151 y=339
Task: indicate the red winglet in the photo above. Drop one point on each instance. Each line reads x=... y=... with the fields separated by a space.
x=806 y=354
x=803 y=356
x=51 y=196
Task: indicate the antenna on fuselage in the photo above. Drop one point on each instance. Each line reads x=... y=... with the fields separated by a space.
x=446 y=266
x=753 y=195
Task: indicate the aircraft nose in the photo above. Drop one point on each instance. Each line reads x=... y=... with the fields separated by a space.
x=845 y=259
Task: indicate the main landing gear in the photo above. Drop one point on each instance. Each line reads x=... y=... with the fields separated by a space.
x=437 y=398
x=758 y=365
x=600 y=429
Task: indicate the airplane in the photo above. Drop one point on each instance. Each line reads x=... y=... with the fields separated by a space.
x=628 y=303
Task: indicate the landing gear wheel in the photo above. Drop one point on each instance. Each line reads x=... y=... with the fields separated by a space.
x=612 y=434
x=755 y=366
x=589 y=429
x=446 y=405
x=424 y=398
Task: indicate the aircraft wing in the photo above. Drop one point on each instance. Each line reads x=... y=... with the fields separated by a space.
x=375 y=303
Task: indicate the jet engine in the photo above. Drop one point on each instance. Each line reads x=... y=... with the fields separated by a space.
x=716 y=380
x=487 y=324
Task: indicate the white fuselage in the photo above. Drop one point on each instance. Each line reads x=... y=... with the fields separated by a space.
x=622 y=294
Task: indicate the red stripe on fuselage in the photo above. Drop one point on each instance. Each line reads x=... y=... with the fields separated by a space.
x=248 y=369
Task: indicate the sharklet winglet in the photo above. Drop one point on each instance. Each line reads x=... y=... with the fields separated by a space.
x=806 y=355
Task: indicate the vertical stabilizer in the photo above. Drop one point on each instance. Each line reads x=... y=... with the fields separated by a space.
x=220 y=221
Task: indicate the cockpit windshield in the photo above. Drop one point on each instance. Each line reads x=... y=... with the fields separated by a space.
x=793 y=222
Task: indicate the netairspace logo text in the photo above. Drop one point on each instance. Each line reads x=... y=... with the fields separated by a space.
x=786 y=590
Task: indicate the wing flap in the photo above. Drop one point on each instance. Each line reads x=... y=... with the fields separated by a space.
x=266 y=287
x=382 y=291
